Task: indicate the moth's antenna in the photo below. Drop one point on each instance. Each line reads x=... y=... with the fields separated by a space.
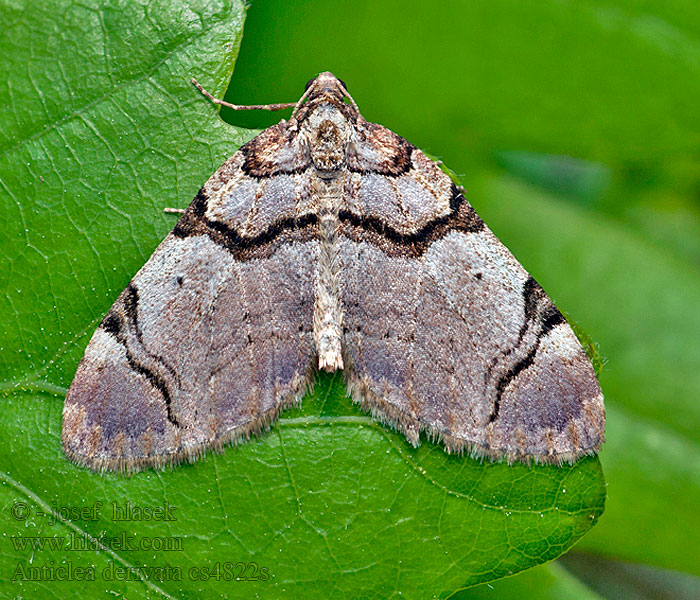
x=206 y=94
x=298 y=104
x=349 y=97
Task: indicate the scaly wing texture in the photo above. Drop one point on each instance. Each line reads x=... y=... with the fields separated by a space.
x=212 y=337
x=444 y=331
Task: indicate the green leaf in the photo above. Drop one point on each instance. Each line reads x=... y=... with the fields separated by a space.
x=101 y=131
x=363 y=508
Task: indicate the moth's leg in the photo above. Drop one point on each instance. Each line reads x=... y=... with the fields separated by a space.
x=280 y=106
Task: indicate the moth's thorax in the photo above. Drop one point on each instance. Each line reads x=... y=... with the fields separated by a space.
x=328 y=134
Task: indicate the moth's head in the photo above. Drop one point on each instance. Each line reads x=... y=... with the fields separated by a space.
x=328 y=85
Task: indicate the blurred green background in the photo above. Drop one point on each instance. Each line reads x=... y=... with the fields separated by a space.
x=575 y=128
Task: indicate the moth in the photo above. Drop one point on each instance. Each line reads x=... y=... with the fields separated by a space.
x=328 y=242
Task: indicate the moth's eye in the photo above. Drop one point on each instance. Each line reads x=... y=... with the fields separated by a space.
x=308 y=83
x=343 y=84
